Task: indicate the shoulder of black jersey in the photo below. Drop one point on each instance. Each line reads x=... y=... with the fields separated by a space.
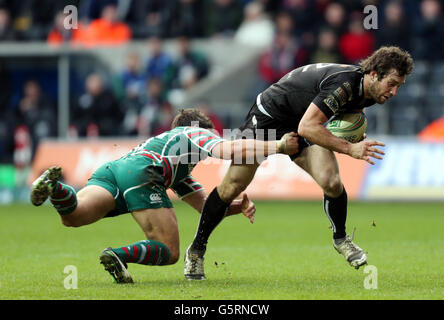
x=348 y=76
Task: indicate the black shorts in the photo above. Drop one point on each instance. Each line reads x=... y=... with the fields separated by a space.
x=258 y=125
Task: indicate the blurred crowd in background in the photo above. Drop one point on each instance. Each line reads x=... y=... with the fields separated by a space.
x=135 y=102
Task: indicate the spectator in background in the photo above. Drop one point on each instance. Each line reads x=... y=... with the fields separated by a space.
x=36 y=113
x=22 y=19
x=302 y=12
x=130 y=106
x=411 y=9
x=59 y=34
x=22 y=154
x=285 y=54
x=394 y=27
x=107 y=30
x=185 y=18
x=90 y=10
x=152 y=103
x=189 y=67
x=42 y=17
x=133 y=82
x=283 y=23
x=222 y=17
x=159 y=61
x=428 y=32
x=6 y=30
x=327 y=48
x=34 y=18
x=257 y=28
x=97 y=111
x=132 y=77
x=148 y=18
x=357 y=43
x=335 y=18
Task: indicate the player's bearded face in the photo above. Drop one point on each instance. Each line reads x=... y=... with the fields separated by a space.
x=387 y=87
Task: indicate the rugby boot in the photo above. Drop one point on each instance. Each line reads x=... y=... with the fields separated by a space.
x=116 y=267
x=354 y=255
x=42 y=187
x=194 y=264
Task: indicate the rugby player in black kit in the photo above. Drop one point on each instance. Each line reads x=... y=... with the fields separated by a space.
x=303 y=101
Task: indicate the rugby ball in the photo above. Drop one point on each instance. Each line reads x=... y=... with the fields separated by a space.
x=349 y=126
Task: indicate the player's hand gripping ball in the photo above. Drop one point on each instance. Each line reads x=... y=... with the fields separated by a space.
x=349 y=126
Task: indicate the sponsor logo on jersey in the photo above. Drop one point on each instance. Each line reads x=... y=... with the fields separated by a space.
x=349 y=90
x=341 y=95
x=332 y=103
x=155 y=197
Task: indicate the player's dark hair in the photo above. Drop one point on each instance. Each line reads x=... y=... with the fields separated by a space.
x=386 y=58
x=187 y=117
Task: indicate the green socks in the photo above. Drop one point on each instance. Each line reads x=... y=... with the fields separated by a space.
x=63 y=198
x=149 y=252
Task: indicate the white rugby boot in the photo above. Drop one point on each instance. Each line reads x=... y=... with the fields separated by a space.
x=194 y=264
x=354 y=255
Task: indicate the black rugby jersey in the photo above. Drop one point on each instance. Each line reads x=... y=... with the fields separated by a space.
x=334 y=88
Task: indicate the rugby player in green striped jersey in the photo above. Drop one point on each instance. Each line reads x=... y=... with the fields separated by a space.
x=137 y=183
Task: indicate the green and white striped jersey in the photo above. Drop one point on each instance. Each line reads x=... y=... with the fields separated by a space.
x=178 y=151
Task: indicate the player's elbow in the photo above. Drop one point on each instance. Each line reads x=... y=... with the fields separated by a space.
x=303 y=129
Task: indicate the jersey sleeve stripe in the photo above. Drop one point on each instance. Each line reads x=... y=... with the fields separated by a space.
x=157 y=156
x=211 y=144
x=205 y=140
x=148 y=155
x=196 y=133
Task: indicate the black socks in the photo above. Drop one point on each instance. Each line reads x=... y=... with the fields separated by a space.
x=336 y=211
x=212 y=214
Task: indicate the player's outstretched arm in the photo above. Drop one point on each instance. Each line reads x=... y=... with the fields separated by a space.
x=197 y=199
x=312 y=128
x=250 y=148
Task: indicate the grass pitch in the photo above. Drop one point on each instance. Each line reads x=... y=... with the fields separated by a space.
x=286 y=254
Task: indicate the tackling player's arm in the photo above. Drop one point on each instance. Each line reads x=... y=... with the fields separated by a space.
x=312 y=128
x=244 y=205
x=249 y=148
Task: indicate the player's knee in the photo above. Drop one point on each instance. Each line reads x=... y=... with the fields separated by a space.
x=174 y=256
x=174 y=253
x=71 y=222
x=228 y=192
x=171 y=244
x=331 y=184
